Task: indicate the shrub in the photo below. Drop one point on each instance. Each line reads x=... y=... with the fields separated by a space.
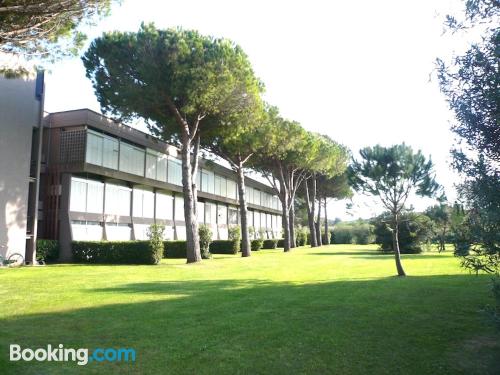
x=235 y=236
x=175 y=249
x=205 y=234
x=301 y=234
x=281 y=242
x=415 y=231
x=256 y=245
x=224 y=247
x=47 y=250
x=362 y=234
x=114 y=252
x=270 y=244
x=155 y=235
x=342 y=234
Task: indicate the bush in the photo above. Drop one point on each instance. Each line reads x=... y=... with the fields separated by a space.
x=270 y=244
x=224 y=247
x=301 y=234
x=115 y=252
x=155 y=235
x=342 y=234
x=234 y=234
x=362 y=234
x=175 y=249
x=281 y=242
x=47 y=250
x=256 y=245
x=205 y=234
x=415 y=231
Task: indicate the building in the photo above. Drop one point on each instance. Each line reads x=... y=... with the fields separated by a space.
x=102 y=180
x=21 y=114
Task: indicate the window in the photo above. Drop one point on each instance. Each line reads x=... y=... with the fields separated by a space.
x=269 y=222
x=86 y=195
x=156 y=165
x=231 y=189
x=221 y=214
x=118 y=232
x=223 y=187
x=233 y=215
x=210 y=213
x=263 y=220
x=174 y=171
x=200 y=212
x=164 y=206
x=151 y=164
x=256 y=220
x=210 y=183
x=204 y=182
x=117 y=200
x=250 y=218
x=110 y=153
x=179 y=208
x=102 y=150
x=249 y=194
x=144 y=203
x=86 y=230
x=131 y=159
x=217 y=189
x=94 y=148
x=95 y=196
x=256 y=197
x=141 y=231
x=78 y=200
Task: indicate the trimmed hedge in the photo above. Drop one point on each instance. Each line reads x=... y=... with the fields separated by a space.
x=224 y=247
x=270 y=244
x=47 y=250
x=175 y=249
x=256 y=245
x=115 y=252
x=281 y=242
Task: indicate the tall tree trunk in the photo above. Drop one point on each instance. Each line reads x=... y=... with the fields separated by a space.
x=395 y=245
x=327 y=234
x=318 y=223
x=194 y=172
x=245 y=242
x=310 y=216
x=285 y=215
x=192 y=238
x=292 y=225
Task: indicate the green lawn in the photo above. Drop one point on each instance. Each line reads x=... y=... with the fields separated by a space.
x=333 y=310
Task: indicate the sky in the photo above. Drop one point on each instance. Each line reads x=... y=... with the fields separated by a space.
x=361 y=72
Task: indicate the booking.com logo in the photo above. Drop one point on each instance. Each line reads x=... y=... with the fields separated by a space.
x=81 y=356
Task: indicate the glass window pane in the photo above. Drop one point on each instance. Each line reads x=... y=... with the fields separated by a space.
x=210 y=181
x=164 y=206
x=179 y=208
x=223 y=187
x=117 y=200
x=217 y=189
x=131 y=159
x=221 y=214
x=233 y=216
x=94 y=148
x=137 y=203
x=78 y=199
x=148 y=204
x=161 y=168
x=174 y=171
x=110 y=153
x=231 y=189
x=95 y=196
x=200 y=212
x=151 y=166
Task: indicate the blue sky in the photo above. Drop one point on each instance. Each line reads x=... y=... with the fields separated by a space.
x=361 y=72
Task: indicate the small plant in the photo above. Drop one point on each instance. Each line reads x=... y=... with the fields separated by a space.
x=155 y=236
x=251 y=232
x=205 y=234
x=301 y=233
x=235 y=237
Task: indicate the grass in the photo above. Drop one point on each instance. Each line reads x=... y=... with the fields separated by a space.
x=329 y=310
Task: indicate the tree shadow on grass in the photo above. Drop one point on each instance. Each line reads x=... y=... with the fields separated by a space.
x=261 y=326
